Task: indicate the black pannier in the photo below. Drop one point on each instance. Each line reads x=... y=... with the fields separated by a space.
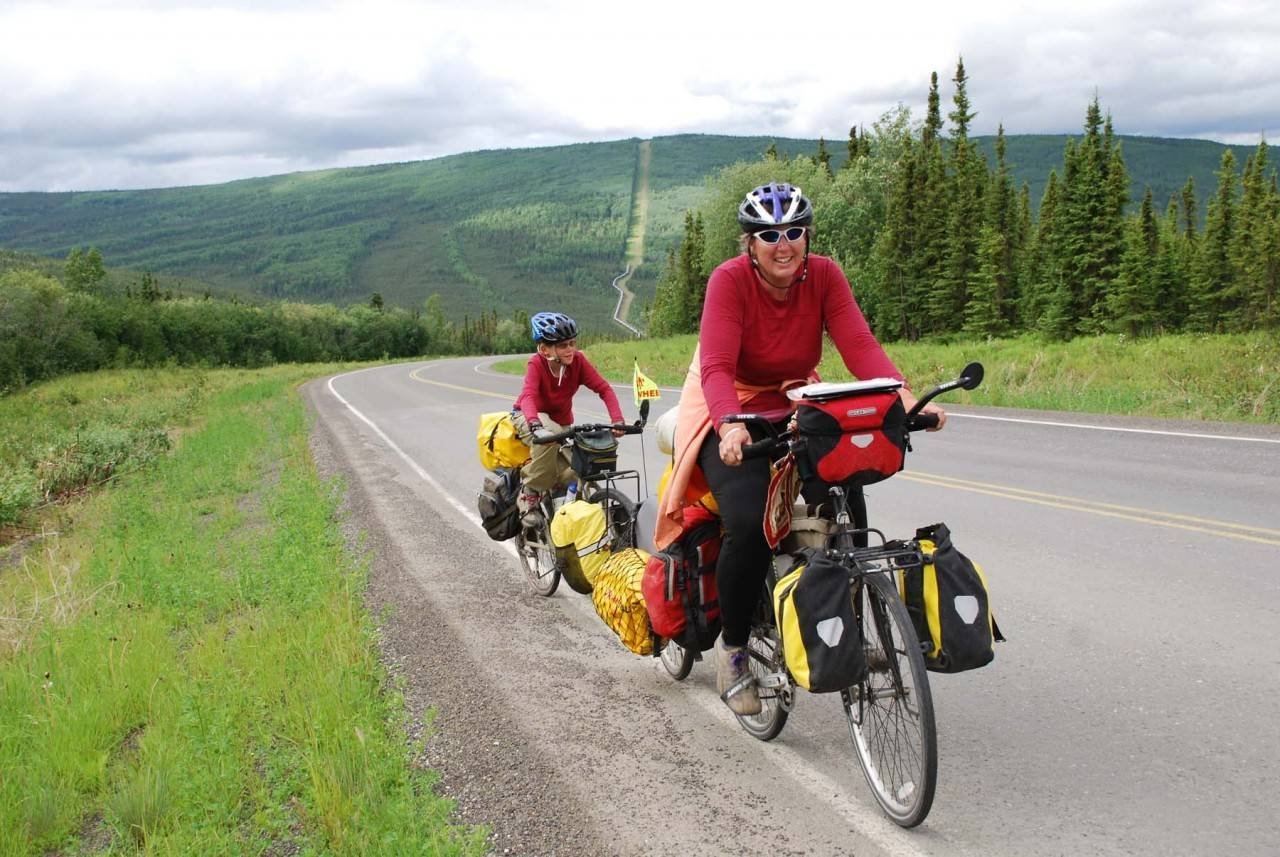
x=497 y=504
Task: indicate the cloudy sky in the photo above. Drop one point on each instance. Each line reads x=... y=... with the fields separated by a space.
x=101 y=94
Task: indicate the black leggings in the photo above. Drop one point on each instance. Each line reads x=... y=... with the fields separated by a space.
x=744 y=554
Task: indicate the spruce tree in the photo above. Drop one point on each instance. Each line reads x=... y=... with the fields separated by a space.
x=896 y=255
x=933 y=114
x=931 y=204
x=853 y=147
x=1132 y=301
x=1001 y=215
x=1249 y=250
x=1022 y=241
x=823 y=157
x=1189 y=208
x=1212 y=302
x=982 y=312
x=1049 y=300
x=965 y=180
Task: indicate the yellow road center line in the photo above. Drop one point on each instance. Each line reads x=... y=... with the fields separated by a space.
x=1137 y=510
x=1093 y=510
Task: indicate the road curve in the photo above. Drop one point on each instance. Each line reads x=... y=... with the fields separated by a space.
x=1132 y=711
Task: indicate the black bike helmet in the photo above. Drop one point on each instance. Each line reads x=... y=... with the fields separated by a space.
x=553 y=327
x=772 y=205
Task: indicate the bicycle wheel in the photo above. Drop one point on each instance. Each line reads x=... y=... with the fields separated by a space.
x=677 y=660
x=538 y=557
x=620 y=517
x=890 y=712
x=773 y=683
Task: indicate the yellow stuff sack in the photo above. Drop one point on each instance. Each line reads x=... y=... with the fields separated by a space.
x=582 y=543
x=499 y=446
x=619 y=600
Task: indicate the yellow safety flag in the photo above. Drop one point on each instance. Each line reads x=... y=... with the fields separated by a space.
x=643 y=386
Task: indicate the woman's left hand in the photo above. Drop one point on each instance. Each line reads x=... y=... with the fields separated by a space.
x=909 y=401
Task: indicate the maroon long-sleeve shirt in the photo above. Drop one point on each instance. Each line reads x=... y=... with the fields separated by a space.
x=552 y=393
x=749 y=336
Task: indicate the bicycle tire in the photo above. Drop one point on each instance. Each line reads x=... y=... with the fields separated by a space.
x=538 y=557
x=676 y=660
x=620 y=517
x=890 y=712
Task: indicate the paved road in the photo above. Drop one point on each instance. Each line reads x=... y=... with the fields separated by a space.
x=1134 y=569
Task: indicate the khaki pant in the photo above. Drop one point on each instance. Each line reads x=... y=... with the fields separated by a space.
x=550 y=464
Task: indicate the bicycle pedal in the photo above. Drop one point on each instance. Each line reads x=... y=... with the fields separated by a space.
x=771 y=681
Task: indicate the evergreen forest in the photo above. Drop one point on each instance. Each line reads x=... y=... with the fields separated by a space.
x=939 y=242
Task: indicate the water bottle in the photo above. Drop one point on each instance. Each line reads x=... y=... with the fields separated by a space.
x=572 y=493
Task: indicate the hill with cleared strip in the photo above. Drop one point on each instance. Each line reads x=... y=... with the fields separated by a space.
x=502 y=230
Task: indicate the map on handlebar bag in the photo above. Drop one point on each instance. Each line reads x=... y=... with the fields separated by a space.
x=834 y=389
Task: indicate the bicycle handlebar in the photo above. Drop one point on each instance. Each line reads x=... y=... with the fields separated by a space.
x=582 y=428
x=969 y=378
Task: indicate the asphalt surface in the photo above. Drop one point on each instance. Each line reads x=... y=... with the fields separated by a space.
x=1132 y=565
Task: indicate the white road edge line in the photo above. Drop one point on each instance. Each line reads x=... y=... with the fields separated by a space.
x=1115 y=428
x=869 y=823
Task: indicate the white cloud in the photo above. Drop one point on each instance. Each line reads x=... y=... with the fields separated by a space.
x=107 y=94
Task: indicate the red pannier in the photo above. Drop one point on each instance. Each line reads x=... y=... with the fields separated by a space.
x=679 y=584
x=859 y=438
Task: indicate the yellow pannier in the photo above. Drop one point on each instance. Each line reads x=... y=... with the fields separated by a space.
x=499 y=446
x=578 y=531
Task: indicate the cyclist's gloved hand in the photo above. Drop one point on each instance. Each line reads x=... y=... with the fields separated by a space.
x=540 y=434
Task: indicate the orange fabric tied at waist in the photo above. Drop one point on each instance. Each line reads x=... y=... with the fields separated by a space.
x=687 y=484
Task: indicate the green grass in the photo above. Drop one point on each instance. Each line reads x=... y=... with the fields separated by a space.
x=187 y=666
x=1202 y=377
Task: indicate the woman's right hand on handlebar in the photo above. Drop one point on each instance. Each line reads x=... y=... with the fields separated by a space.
x=733 y=436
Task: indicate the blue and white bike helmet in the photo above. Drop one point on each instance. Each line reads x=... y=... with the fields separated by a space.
x=553 y=327
x=772 y=205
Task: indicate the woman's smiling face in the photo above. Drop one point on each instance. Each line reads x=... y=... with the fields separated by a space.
x=779 y=263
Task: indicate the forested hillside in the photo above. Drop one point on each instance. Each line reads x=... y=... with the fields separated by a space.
x=940 y=242
x=502 y=231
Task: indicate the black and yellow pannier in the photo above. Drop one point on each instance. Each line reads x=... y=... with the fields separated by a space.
x=821 y=638
x=949 y=604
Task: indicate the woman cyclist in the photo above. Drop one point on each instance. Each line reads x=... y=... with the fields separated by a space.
x=763 y=320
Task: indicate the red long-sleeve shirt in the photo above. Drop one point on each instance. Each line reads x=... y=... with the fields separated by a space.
x=552 y=393
x=749 y=336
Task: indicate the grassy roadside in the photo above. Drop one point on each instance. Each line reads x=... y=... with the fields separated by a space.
x=188 y=667
x=1203 y=377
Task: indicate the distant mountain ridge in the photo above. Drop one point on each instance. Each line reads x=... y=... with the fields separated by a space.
x=495 y=230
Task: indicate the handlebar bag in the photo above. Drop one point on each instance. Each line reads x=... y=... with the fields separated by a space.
x=497 y=441
x=821 y=637
x=858 y=439
x=497 y=504
x=619 y=601
x=949 y=604
x=593 y=453
x=679 y=584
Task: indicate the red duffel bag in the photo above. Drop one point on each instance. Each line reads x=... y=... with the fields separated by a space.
x=679 y=583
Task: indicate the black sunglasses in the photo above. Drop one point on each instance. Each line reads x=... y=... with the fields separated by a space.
x=773 y=236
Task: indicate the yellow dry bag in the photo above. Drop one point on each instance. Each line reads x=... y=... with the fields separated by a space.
x=499 y=446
